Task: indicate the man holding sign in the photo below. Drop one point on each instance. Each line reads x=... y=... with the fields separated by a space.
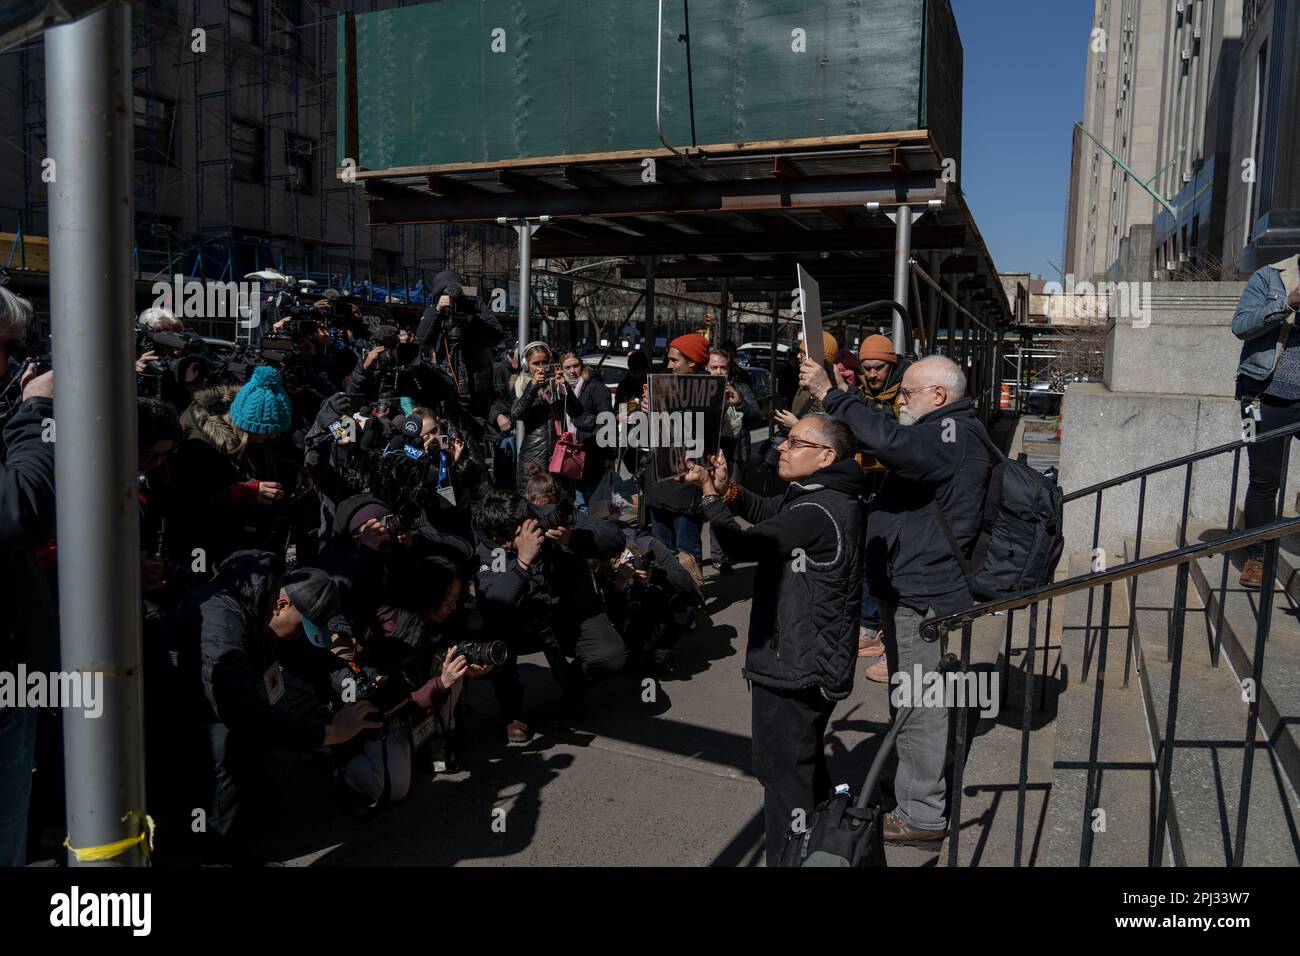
x=675 y=505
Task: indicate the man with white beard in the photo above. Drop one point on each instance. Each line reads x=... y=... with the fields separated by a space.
x=936 y=461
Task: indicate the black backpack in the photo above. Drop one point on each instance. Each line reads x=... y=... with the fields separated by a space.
x=842 y=831
x=1021 y=535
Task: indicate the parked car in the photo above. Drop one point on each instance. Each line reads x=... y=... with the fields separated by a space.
x=609 y=368
x=759 y=354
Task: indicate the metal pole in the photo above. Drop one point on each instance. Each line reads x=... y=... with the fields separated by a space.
x=1020 y=375
x=648 y=344
x=771 y=363
x=525 y=230
x=902 y=252
x=92 y=306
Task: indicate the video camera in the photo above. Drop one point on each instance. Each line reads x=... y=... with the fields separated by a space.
x=178 y=353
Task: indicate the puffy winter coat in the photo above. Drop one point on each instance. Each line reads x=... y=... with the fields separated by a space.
x=534 y=407
x=939 y=458
x=803 y=624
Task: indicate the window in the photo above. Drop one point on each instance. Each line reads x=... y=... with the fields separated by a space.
x=300 y=158
x=1257 y=135
x=244 y=17
x=246 y=138
x=155 y=124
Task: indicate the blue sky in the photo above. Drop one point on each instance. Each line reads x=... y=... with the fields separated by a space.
x=1024 y=62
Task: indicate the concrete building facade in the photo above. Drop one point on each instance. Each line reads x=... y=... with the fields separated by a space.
x=235 y=140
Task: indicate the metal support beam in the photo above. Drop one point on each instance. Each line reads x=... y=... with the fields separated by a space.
x=648 y=342
x=903 y=220
x=524 y=230
x=96 y=457
x=714 y=195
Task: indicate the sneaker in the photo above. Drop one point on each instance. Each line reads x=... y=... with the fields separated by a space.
x=1252 y=575
x=724 y=567
x=899 y=831
x=870 y=645
x=517 y=732
x=879 y=671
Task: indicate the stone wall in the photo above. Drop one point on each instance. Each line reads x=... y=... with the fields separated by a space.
x=1167 y=392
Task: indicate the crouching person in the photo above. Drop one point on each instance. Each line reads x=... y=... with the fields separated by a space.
x=651 y=597
x=229 y=638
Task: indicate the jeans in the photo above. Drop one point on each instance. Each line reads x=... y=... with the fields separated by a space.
x=922 y=744
x=583 y=491
x=789 y=754
x=503 y=463
x=870 y=615
x=387 y=756
x=17 y=751
x=679 y=531
x=716 y=554
x=1266 y=463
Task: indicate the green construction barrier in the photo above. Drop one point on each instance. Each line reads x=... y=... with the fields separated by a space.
x=481 y=81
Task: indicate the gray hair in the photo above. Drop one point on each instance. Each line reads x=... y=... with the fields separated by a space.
x=943 y=371
x=15 y=314
x=837 y=435
x=156 y=317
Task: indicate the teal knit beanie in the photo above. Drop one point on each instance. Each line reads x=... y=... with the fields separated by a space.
x=262 y=406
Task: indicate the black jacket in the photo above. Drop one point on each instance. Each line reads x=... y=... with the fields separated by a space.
x=559 y=582
x=941 y=457
x=533 y=406
x=737 y=449
x=462 y=347
x=595 y=402
x=29 y=630
x=803 y=624
x=224 y=650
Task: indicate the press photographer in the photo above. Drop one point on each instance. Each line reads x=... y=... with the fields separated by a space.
x=230 y=639
x=458 y=333
x=536 y=588
x=651 y=598
x=372 y=546
x=392 y=369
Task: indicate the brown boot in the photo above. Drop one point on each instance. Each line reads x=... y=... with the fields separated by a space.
x=1252 y=575
x=897 y=830
x=692 y=567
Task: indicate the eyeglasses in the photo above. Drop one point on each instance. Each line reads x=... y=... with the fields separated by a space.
x=907 y=393
x=797 y=443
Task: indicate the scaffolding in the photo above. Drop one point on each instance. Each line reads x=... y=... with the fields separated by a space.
x=280 y=55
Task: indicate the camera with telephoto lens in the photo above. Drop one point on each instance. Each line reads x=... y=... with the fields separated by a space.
x=461 y=305
x=550 y=517
x=483 y=653
x=405 y=518
x=179 y=353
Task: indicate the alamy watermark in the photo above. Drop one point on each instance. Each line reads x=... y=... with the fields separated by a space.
x=195 y=299
x=947 y=689
x=1127 y=301
x=683 y=430
x=66 y=690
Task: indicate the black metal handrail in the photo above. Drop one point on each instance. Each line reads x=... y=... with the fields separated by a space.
x=1181 y=558
x=930 y=629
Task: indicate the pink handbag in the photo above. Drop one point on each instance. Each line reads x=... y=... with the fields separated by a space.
x=568 y=459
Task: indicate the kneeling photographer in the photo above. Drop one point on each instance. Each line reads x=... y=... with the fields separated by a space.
x=652 y=599
x=433 y=463
x=373 y=546
x=535 y=586
x=411 y=666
